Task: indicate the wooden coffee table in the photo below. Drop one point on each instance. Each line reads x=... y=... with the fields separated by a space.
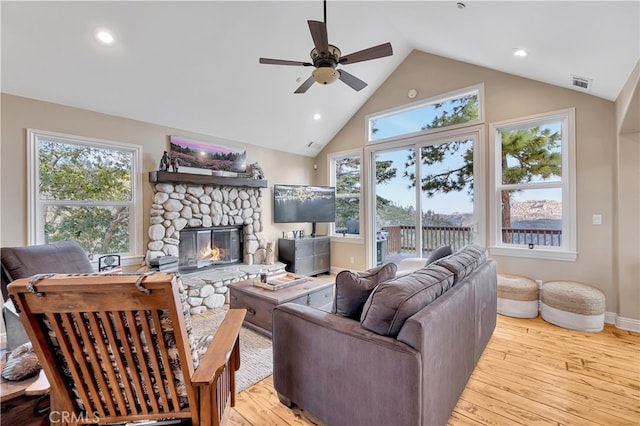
x=259 y=302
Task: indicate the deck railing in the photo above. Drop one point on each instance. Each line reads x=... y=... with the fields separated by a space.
x=539 y=237
x=402 y=238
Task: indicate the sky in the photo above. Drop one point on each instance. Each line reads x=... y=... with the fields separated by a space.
x=397 y=190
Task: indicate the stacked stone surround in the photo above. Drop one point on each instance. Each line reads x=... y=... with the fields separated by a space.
x=179 y=206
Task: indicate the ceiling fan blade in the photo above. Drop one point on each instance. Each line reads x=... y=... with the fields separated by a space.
x=284 y=62
x=305 y=86
x=367 y=54
x=319 y=35
x=352 y=81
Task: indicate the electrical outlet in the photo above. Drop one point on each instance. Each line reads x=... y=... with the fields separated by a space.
x=351 y=259
x=597 y=219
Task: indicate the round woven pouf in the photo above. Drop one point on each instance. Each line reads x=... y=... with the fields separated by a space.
x=517 y=296
x=573 y=305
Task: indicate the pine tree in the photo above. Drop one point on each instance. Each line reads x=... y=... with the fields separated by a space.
x=526 y=154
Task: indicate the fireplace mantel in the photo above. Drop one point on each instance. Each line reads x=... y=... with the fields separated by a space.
x=158 y=176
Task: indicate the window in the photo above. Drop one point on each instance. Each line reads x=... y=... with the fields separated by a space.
x=533 y=199
x=450 y=110
x=346 y=176
x=84 y=189
x=425 y=195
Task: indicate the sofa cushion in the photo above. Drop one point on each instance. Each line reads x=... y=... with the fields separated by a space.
x=392 y=302
x=353 y=289
x=464 y=261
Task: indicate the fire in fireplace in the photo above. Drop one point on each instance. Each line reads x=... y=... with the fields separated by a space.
x=210 y=247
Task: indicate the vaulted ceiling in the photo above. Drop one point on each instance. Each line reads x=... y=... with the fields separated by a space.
x=194 y=65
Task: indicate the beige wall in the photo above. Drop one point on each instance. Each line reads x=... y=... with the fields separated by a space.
x=509 y=97
x=627 y=224
x=18 y=114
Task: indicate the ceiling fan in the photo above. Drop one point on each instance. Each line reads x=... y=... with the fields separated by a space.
x=326 y=57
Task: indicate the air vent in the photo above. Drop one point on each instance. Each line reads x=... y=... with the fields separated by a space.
x=581 y=83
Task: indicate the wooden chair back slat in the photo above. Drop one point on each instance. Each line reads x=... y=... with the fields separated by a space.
x=88 y=392
x=88 y=339
x=152 y=369
x=135 y=353
x=172 y=397
x=113 y=349
x=133 y=386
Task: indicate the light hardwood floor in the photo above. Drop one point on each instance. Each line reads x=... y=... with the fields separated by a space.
x=531 y=373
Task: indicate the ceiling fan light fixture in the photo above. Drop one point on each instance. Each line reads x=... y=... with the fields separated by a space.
x=325 y=75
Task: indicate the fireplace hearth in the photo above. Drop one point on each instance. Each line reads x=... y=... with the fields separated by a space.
x=202 y=248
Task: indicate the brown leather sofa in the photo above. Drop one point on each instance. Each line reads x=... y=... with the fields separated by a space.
x=64 y=257
x=379 y=370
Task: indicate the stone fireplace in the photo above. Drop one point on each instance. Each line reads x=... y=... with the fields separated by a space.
x=179 y=206
x=190 y=206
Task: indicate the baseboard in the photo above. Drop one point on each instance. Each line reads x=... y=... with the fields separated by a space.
x=623 y=323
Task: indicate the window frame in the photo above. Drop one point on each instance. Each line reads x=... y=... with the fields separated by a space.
x=332 y=158
x=35 y=205
x=475 y=132
x=567 y=250
x=475 y=89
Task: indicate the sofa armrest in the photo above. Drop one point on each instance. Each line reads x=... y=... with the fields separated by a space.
x=342 y=373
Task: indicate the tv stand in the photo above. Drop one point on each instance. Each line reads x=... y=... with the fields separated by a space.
x=306 y=256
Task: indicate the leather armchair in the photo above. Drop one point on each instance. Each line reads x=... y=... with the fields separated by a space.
x=64 y=257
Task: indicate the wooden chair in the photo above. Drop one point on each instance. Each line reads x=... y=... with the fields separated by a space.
x=119 y=348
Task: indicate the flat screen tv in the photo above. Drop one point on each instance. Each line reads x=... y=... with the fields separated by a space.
x=304 y=204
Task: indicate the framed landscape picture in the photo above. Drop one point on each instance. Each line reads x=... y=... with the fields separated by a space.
x=208 y=155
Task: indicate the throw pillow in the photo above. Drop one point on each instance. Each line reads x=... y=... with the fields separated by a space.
x=353 y=289
x=392 y=302
x=439 y=253
x=21 y=363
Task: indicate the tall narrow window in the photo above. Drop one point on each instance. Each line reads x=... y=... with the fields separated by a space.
x=534 y=193
x=83 y=189
x=346 y=176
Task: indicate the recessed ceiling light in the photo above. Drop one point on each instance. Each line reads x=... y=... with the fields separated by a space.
x=104 y=37
x=317 y=117
x=520 y=52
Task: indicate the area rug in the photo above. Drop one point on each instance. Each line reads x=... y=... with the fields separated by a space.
x=256 y=356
